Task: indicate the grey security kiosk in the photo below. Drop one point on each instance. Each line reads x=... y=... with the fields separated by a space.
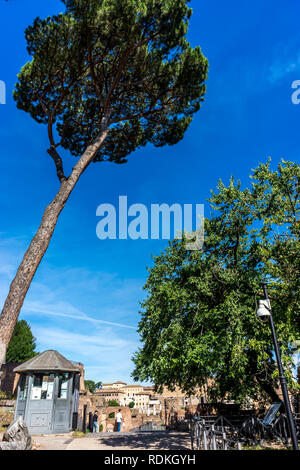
x=48 y=392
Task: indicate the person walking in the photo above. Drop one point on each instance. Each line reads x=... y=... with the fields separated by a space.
x=119 y=420
x=95 y=422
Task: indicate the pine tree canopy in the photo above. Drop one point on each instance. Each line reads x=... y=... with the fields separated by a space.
x=125 y=64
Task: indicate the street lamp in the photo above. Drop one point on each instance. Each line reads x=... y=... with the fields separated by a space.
x=264 y=313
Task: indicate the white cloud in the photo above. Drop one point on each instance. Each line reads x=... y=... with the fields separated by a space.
x=284 y=66
x=35 y=307
x=285 y=60
x=87 y=345
x=104 y=339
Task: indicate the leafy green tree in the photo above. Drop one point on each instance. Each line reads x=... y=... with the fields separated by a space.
x=105 y=78
x=22 y=345
x=90 y=385
x=198 y=321
x=131 y=404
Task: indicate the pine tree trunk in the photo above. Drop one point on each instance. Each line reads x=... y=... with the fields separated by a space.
x=38 y=247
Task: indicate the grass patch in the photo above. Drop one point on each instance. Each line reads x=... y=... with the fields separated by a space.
x=6 y=396
x=78 y=433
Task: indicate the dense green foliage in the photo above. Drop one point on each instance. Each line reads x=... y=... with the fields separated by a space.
x=199 y=321
x=113 y=403
x=125 y=63
x=92 y=386
x=131 y=404
x=22 y=344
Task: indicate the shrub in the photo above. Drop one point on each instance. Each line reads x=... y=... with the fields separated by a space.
x=113 y=403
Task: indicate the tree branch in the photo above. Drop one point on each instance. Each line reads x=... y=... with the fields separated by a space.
x=116 y=80
x=58 y=163
x=52 y=150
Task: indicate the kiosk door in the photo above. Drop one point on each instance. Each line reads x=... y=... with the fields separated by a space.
x=62 y=403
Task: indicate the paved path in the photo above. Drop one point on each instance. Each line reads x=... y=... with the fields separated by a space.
x=132 y=441
x=116 y=441
x=53 y=441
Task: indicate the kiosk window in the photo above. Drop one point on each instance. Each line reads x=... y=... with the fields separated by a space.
x=63 y=380
x=23 y=387
x=42 y=387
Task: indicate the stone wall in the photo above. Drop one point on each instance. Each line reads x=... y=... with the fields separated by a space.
x=84 y=399
x=173 y=410
x=132 y=419
x=80 y=366
x=9 y=379
x=7 y=410
x=126 y=413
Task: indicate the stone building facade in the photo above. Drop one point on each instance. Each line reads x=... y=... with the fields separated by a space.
x=109 y=394
x=113 y=385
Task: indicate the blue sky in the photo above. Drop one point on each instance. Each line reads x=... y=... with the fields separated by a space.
x=84 y=300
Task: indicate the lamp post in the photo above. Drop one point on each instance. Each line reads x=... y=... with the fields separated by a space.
x=264 y=312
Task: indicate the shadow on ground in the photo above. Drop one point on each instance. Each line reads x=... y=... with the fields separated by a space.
x=151 y=440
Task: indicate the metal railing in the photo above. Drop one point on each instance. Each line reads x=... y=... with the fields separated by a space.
x=218 y=433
